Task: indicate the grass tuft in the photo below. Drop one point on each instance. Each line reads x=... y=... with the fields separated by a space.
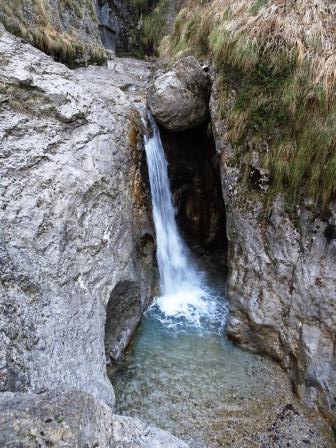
x=73 y=5
x=280 y=58
x=66 y=47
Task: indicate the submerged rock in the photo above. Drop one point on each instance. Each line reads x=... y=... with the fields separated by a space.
x=291 y=428
x=179 y=98
x=131 y=432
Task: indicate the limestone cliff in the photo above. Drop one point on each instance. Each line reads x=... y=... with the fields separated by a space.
x=73 y=226
x=76 y=241
x=282 y=274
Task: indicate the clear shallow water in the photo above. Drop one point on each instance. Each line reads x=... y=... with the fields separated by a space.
x=190 y=380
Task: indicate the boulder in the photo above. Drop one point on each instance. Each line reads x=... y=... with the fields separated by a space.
x=179 y=99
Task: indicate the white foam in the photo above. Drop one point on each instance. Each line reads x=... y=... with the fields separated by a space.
x=191 y=306
x=188 y=303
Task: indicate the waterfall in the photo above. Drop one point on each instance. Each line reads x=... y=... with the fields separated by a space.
x=184 y=291
x=175 y=267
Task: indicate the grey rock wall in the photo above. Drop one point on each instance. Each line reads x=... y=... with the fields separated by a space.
x=118 y=25
x=282 y=278
x=73 y=224
x=75 y=233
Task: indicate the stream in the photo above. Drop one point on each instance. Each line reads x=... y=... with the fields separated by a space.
x=181 y=373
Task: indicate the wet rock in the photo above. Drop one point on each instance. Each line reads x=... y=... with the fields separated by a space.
x=282 y=278
x=179 y=98
x=132 y=433
x=119 y=26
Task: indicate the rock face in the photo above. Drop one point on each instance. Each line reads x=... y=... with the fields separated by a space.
x=282 y=278
x=76 y=234
x=179 y=98
x=68 y=30
x=76 y=248
x=72 y=419
x=119 y=26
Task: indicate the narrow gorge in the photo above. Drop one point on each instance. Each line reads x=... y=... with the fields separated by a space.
x=167 y=242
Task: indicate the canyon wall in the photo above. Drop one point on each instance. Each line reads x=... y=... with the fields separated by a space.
x=74 y=223
x=120 y=25
x=76 y=242
x=282 y=272
x=281 y=261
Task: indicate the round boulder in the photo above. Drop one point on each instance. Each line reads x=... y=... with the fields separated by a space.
x=179 y=99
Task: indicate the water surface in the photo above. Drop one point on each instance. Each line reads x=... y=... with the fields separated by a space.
x=191 y=380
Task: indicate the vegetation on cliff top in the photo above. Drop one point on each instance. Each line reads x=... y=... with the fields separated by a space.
x=36 y=22
x=155 y=27
x=280 y=58
x=152 y=20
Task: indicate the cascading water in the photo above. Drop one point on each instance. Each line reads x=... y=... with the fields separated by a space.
x=183 y=289
x=176 y=271
x=181 y=373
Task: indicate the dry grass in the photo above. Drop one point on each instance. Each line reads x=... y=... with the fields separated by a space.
x=280 y=56
x=42 y=33
x=23 y=99
x=74 y=5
